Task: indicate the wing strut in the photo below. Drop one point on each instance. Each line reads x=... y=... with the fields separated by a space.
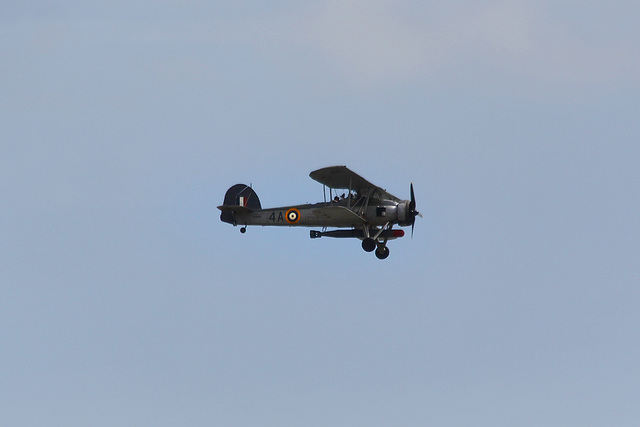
x=349 y=198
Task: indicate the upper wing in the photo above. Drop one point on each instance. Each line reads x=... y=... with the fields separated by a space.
x=343 y=178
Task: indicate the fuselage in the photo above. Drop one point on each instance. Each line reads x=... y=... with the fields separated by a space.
x=329 y=214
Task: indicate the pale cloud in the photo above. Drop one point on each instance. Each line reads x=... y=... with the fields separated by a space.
x=381 y=42
x=366 y=40
x=374 y=42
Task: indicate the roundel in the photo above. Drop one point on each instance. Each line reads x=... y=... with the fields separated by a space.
x=292 y=216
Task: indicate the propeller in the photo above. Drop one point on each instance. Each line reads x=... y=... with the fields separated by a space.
x=412 y=210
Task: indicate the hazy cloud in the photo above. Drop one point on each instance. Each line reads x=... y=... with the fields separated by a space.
x=384 y=42
x=389 y=42
x=373 y=41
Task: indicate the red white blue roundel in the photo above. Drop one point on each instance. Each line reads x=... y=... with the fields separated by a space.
x=292 y=216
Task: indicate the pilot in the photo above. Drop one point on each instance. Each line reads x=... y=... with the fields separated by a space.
x=336 y=199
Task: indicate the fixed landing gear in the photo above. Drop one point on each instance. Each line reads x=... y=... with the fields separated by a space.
x=243 y=230
x=375 y=239
x=370 y=245
x=382 y=252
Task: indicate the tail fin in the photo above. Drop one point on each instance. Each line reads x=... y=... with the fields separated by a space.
x=241 y=196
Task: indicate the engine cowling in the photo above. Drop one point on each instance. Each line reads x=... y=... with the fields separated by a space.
x=405 y=217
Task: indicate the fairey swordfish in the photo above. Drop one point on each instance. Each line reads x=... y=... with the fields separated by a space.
x=363 y=211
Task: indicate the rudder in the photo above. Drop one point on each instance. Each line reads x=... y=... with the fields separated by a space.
x=242 y=195
x=239 y=195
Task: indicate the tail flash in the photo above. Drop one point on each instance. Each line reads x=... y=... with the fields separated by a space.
x=242 y=195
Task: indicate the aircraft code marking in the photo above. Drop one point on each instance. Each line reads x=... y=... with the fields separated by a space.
x=279 y=218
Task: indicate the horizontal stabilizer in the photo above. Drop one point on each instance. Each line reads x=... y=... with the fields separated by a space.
x=237 y=209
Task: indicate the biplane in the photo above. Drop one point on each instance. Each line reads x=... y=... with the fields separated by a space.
x=357 y=208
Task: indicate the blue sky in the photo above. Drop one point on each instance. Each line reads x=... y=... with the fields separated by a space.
x=125 y=301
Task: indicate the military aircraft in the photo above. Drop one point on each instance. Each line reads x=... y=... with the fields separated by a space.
x=366 y=211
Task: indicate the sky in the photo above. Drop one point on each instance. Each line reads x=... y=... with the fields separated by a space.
x=125 y=301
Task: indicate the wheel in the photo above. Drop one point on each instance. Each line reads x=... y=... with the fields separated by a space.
x=382 y=252
x=243 y=230
x=368 y=244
